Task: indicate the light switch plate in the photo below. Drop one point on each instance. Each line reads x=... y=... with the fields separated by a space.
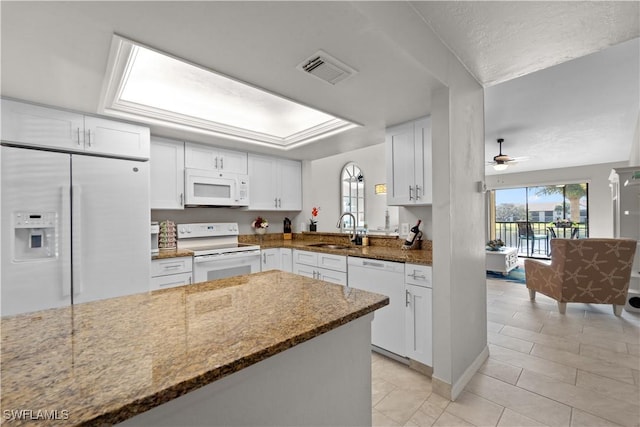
x=404 y=229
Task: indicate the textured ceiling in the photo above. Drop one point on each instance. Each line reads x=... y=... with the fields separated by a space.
x=580 y=112
x=56 y=52
x=501 y=40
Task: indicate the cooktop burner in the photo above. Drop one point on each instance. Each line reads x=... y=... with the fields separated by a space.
x=222 y=249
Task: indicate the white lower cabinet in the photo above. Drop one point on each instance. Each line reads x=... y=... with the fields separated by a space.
x=270 y=259
x=405 y=326
x=321 y=266
x=286 y=260
x=386 y=278
x=418 y=320
x=276 y=259
x=171 y=272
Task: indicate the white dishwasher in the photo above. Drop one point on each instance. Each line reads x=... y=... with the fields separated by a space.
x=386 y=278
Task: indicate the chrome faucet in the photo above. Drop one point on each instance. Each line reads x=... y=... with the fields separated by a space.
x=339 y=224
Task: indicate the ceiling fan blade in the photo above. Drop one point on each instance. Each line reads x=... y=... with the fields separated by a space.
x=517 y=159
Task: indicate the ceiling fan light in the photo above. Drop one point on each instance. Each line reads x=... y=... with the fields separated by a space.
x=500 y=166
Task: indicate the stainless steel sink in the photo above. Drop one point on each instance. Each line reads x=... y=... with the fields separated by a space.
x=329 y=246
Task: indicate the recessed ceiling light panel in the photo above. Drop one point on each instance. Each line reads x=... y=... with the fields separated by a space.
x=146 y=85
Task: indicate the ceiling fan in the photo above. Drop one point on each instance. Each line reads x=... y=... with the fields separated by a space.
x=502 y=161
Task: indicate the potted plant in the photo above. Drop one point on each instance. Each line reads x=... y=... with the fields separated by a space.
x=495 y=245
x=312 y=222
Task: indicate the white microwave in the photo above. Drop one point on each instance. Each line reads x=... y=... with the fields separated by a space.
x=210 y=188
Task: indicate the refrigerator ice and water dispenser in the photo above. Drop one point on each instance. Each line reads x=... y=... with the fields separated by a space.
x=35 y=236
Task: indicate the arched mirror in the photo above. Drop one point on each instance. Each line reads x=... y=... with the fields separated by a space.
x=352 y=194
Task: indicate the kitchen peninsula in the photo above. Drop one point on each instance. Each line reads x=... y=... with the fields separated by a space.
x=270 y=348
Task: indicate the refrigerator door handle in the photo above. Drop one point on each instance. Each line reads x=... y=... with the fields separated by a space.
x=65 y=196
x=76 y=236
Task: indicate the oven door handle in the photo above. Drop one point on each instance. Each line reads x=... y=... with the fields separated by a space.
x=227 y=256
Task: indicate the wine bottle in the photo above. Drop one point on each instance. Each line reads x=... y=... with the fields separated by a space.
x=413 y=233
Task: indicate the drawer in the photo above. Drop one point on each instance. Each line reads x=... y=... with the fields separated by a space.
x=512 y=260
x=305 y=257
x=162 y=267
x=337 y=277
x=170 y=281
x=332 y=262
x=420 y=275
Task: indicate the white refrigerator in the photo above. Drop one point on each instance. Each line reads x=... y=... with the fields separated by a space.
x=75 y=228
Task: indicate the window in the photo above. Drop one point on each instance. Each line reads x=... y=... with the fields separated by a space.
x=352 y=194
x=548 y=211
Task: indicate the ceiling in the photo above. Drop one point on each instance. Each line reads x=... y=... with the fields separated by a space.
x=56 y=52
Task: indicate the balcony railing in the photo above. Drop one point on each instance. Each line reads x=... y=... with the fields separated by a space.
x=538 y=247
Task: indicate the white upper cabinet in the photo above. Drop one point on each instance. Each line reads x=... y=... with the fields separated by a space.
x=116 y=139
x=33 y=125
x=167 y=173
x=217 y=159
x=290 y=185
x=276 y=184
x=408 y=153
x=41 y=127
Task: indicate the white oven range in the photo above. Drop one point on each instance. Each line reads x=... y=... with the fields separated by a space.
x=217 y=253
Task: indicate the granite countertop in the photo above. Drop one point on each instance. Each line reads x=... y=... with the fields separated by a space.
x=106 y=361
x=382 y=247
x=387 y=249
x=175 y=253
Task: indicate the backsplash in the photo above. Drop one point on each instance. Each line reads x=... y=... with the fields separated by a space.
x=335 y=238
x=242 y=217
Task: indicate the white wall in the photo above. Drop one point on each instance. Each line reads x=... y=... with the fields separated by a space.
x=634 y=157
x=597 y=176
x=322 y=188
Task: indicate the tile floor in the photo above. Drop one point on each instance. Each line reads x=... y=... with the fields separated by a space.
x=544 y=369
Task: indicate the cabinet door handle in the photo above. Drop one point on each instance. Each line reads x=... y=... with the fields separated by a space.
x=275 y=202
x=407 y=299
x=279 y=202
x=264 y=258
x=89 y=137
x=189 y=280
x=417 y=276
x=417 y=192
x=216 y=163
x=78 y=136
x=181 y=199
x=410 y=192
x=221 y=162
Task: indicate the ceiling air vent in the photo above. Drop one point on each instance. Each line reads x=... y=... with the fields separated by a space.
x=327 y=68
